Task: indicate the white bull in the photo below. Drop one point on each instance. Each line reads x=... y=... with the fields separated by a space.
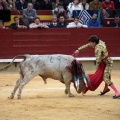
x=46 y=66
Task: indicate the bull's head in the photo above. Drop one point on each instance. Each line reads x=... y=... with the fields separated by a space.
x=80 y=79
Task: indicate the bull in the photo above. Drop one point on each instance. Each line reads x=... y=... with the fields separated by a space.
x=46 y=66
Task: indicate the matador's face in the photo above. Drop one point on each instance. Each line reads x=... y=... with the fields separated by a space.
x=92 y=44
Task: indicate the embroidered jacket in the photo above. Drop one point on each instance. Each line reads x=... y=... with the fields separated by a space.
x=100 y=51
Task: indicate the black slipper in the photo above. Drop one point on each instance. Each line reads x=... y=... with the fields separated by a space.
x=115 y=97
x=102 y=93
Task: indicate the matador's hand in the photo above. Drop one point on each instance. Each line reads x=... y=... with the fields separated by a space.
x=76 y=53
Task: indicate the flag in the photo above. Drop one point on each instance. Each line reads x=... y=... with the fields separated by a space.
x=86 y=15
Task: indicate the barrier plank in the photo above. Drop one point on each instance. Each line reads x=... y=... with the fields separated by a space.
x=55 y=41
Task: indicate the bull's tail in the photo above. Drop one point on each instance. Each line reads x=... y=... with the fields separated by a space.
x=8 y=65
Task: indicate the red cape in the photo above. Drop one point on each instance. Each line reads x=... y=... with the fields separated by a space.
x=95 y=79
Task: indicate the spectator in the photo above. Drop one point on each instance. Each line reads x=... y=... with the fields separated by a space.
x=46 y=5
x=55 y=4
x=92 y=23
x=95 y=5
x=10 y=5
x=63 y=2
x=17 y=24
x=59 y=10
x=2 y=24
x=21 y=4
x=108 y=4
x=54 y=23
x=2 y=5
x=116 y=22
x=36 y=4
x=37 y=24
x=75 y=5
x=62 y=23
x=108 y=7
x=76 y=24
x=29 y=12
x=84 y=5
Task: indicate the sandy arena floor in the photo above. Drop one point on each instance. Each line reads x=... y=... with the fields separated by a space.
x=48 y=102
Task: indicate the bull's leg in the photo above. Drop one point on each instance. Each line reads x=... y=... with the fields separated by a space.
x=17 y=84
x=67 y=84
x=66 y=92
x=25 y=81
x=15 y=88
x=67 y=77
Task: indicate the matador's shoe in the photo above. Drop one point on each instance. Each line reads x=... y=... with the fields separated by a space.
x=102 y=93
x=115 y=97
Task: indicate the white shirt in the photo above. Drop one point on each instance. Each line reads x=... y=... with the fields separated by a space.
x=34 y=25
x=73 y=25
x=72 y=7
x=86 y=6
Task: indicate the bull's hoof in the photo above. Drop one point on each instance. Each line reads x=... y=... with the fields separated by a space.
x=66 y=92
x=71 y=95
x=11 y=97
x=19 y=97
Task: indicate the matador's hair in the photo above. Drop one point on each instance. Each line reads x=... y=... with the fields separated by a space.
x=93 y=38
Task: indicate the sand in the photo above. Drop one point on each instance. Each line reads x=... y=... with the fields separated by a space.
x=48 y=102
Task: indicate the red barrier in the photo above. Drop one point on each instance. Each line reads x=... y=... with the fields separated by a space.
x=56 y=41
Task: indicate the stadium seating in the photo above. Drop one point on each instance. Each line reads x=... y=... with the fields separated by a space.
x=46 y=17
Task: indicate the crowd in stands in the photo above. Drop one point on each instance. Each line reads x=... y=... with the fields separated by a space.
x=67 y=4
x=59 y=8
